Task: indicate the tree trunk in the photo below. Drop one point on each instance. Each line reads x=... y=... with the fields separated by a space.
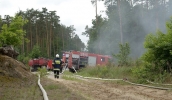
x=37 y=35
x=50 y=40
x=120 y=21
x=63 y=37
x=47 y=41
x=30 y=37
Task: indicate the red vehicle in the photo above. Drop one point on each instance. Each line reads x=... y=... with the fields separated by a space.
x=76 y=59
x=40 y=63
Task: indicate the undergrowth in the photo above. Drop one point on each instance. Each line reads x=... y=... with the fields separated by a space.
x=107 y=72
x=137 y=74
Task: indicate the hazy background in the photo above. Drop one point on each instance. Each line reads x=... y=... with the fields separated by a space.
x=133 y=19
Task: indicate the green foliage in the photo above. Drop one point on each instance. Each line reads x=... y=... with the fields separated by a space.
x=23 y=58
x=42 y=71
x=141 y=74
x=123 y=54
x=14 y=33
x=159 y=48
x=148 y=72
x=157 y=59
x=35 y=53
x=107 y=72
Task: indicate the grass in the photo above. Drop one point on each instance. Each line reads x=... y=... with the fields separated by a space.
x=107 y=72
x=114 y=73
x=28 y=89
x=57 y=91
x=70 y=76
x=52 y=87
x=19 y=89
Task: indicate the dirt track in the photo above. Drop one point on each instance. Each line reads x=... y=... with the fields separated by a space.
x=103 y=90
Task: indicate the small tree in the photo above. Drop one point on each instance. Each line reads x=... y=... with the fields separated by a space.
x=123 y=54
x=35 y=53
x=14 y=34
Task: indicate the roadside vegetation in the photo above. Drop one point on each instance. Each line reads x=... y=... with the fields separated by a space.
x=154 y=65
x=19 y=89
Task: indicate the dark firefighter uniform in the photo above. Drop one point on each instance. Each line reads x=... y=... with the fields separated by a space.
x=57 y=66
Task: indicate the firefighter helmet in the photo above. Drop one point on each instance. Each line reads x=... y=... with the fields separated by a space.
x=57 y=55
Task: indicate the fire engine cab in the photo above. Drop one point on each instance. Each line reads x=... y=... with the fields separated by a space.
x=76 y=59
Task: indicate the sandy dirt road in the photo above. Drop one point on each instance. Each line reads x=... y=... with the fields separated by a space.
x=103 y=90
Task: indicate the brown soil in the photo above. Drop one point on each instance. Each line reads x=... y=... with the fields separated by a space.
x=12 y=68
x=114 y=90
x=16 y=82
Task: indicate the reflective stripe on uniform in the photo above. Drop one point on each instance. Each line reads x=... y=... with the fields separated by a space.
x=57 y=61
x=56 y=69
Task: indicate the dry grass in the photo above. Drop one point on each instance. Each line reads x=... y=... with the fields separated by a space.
x=19 y=89
x=27 y=89
x=57 y=91
x=17 y=83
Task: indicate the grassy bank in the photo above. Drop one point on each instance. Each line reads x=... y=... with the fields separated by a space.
x=107 y=72
x=19 y=89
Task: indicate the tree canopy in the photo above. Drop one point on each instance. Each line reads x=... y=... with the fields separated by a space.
x=43 y=29
x=14 y=33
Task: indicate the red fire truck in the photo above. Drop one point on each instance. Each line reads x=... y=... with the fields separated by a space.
x=76 y=59
x=40 y=63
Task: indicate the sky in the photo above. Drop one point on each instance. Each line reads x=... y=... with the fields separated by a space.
x=72 y=12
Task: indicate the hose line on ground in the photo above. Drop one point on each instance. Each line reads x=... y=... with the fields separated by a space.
x=42 y=89
x=157 y=83
x=161 y=88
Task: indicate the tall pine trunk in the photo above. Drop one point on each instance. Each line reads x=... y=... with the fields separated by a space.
x=120 y=20
x=47 y=41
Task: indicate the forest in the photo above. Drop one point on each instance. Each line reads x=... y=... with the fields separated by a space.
x=42 y=30
x=127 y=21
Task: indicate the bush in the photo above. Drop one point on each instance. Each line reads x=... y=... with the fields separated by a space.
x=107 y=72
x=42 y=71
x=158 y=57
x=123 y=54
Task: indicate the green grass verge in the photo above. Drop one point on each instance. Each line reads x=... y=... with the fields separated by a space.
x=107 y=72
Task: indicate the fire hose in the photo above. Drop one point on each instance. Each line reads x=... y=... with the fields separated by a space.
x=125 y=80
x=161 y=88
x=42 y=89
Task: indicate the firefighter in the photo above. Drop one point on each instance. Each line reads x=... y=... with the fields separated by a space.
x=57 y=66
